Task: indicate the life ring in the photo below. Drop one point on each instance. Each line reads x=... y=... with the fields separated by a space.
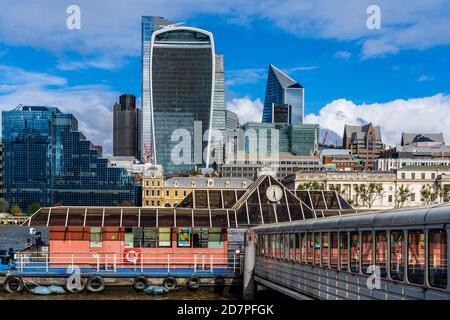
x=72 y=287
x=170 y=283
x=14 y=284
x=140 y=283
x=95 y=284
x=131 y=255
x=193 y=283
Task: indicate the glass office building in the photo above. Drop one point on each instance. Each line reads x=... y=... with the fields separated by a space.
x=48 y=161
x=150 y=24
x=300 y=139
x=282 y=89
x=182 y=79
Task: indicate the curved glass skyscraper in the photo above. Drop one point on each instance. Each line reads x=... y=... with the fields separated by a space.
x=181 y=81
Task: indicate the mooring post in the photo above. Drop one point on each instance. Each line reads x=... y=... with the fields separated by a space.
x=249 y=265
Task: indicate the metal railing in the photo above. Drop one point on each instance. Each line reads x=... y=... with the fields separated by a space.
x=127 y=262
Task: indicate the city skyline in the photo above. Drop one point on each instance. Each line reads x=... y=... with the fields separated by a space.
x=343 y=73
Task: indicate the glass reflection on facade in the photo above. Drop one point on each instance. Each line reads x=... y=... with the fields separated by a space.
x=182 y=85
x=282 y=89
x=48 y=161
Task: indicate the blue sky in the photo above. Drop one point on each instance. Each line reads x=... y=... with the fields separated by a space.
x=397 y=77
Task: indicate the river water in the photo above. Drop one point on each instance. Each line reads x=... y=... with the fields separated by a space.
x=15 y=237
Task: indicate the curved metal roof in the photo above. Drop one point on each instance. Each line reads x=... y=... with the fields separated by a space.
x=411 y=216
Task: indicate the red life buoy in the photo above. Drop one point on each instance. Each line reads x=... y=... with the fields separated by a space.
x=131 y=255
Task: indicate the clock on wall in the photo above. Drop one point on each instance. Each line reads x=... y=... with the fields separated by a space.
x=274 y=193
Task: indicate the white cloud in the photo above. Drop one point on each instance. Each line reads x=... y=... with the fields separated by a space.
x=112 y=29
x=245 y=76
x=424 y=78
x=344 y=55
x=90 y=104
x=428 y=114
x=248 y=110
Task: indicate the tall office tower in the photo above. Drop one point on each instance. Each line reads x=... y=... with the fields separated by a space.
x=282 y=89
x=48 y=161
x=150 y=24
x=219 y=117
x=126 y=128
x=181 y=81
x=232 y=119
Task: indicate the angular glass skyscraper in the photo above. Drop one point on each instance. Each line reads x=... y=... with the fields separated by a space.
x=282 y=89
x=46 y=160
x=181 y=82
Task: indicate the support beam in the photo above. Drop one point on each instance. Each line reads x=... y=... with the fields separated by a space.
x=249 y=265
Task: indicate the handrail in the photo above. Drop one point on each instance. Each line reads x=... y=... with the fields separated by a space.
x=112 y=262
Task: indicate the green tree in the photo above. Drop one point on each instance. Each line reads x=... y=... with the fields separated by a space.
x=4 y=205
x=427 y=193
x=444 y=193
x=32 y=208
x=311 y=186
x=402 y=194
x=16 y=210
x=335 y=187
x=368 y=193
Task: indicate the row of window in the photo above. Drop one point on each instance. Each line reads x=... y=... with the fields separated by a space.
x=158 y=193
x=163 y=237
x=396 y=253
x=423 y=176
x=157 y=203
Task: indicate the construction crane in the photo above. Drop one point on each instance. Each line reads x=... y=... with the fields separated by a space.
x=325 y=137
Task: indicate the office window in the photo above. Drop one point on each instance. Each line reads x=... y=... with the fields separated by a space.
x=416 y=256
x=216 y=238
x=403 y=175
x=413 y=197
x=437 y=258
x=334 y=250
x=310 y=252
x=292 y=247
x=96 y=237
x=390 y=198
x=366 y=253
x=325 y=246
x=343 y=263
x=129 y=238
x=164 y=237
x=423 y=176
x=413 y=175
x=304 y=248
x=317 y=249
x=381 y=252
x=354 y=251
x=200 y=237
x=397 y=251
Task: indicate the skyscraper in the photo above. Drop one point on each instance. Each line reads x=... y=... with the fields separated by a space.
x=48 y=161
x=150 y=24
x=232 y=119
x=181 y=82
x=126 y=128
x=282 y=89
x=219 y=116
